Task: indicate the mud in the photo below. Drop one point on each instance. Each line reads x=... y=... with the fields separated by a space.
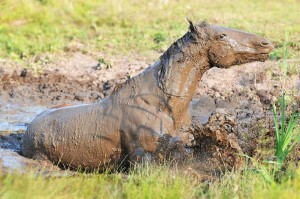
x=65 y=78
x=242 y=92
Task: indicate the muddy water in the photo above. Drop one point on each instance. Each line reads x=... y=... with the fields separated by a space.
x=14 y=119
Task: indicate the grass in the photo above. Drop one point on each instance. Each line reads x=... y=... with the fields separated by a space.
x=33 y=27
x=149 y=182
x=146 y=182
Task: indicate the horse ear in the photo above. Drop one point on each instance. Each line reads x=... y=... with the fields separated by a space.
x=195 y=28
x=192 y=27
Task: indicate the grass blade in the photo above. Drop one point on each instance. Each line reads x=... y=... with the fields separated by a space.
x=282 y=116
x=292 y=145
x=276 y=127
x=289 y=133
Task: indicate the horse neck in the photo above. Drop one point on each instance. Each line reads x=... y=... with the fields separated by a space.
x=185 y=86
x=183 y=65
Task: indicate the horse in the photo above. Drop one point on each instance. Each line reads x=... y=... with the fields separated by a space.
x=148 y=113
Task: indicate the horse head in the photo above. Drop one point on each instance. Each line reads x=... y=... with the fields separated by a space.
x=226 y=47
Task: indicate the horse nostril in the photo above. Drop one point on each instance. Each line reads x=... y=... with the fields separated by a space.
x=264 y=43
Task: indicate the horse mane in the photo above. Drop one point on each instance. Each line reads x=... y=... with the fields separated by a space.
x=176 y=53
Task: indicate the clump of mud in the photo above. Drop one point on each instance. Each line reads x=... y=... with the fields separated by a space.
x=231 y=113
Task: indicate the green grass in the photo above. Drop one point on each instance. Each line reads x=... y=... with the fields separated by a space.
x=33 y=27
x=149 y=182
x=146 y=182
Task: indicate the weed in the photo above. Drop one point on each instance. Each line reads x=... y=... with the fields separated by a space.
x=286 y=135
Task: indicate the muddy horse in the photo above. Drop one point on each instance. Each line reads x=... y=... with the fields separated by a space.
x=148 y=112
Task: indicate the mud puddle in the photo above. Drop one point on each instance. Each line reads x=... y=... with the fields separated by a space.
x=14 y=119
x=231 y=112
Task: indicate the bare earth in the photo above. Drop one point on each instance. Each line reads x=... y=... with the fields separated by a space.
x=231 y=110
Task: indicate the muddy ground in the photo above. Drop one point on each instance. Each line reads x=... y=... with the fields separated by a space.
x=231 y=111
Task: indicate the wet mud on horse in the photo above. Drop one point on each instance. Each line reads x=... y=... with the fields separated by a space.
x=146 y=117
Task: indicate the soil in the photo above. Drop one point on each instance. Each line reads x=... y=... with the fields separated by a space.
x=231 y=111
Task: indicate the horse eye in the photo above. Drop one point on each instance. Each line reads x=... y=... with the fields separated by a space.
x=222 y=36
